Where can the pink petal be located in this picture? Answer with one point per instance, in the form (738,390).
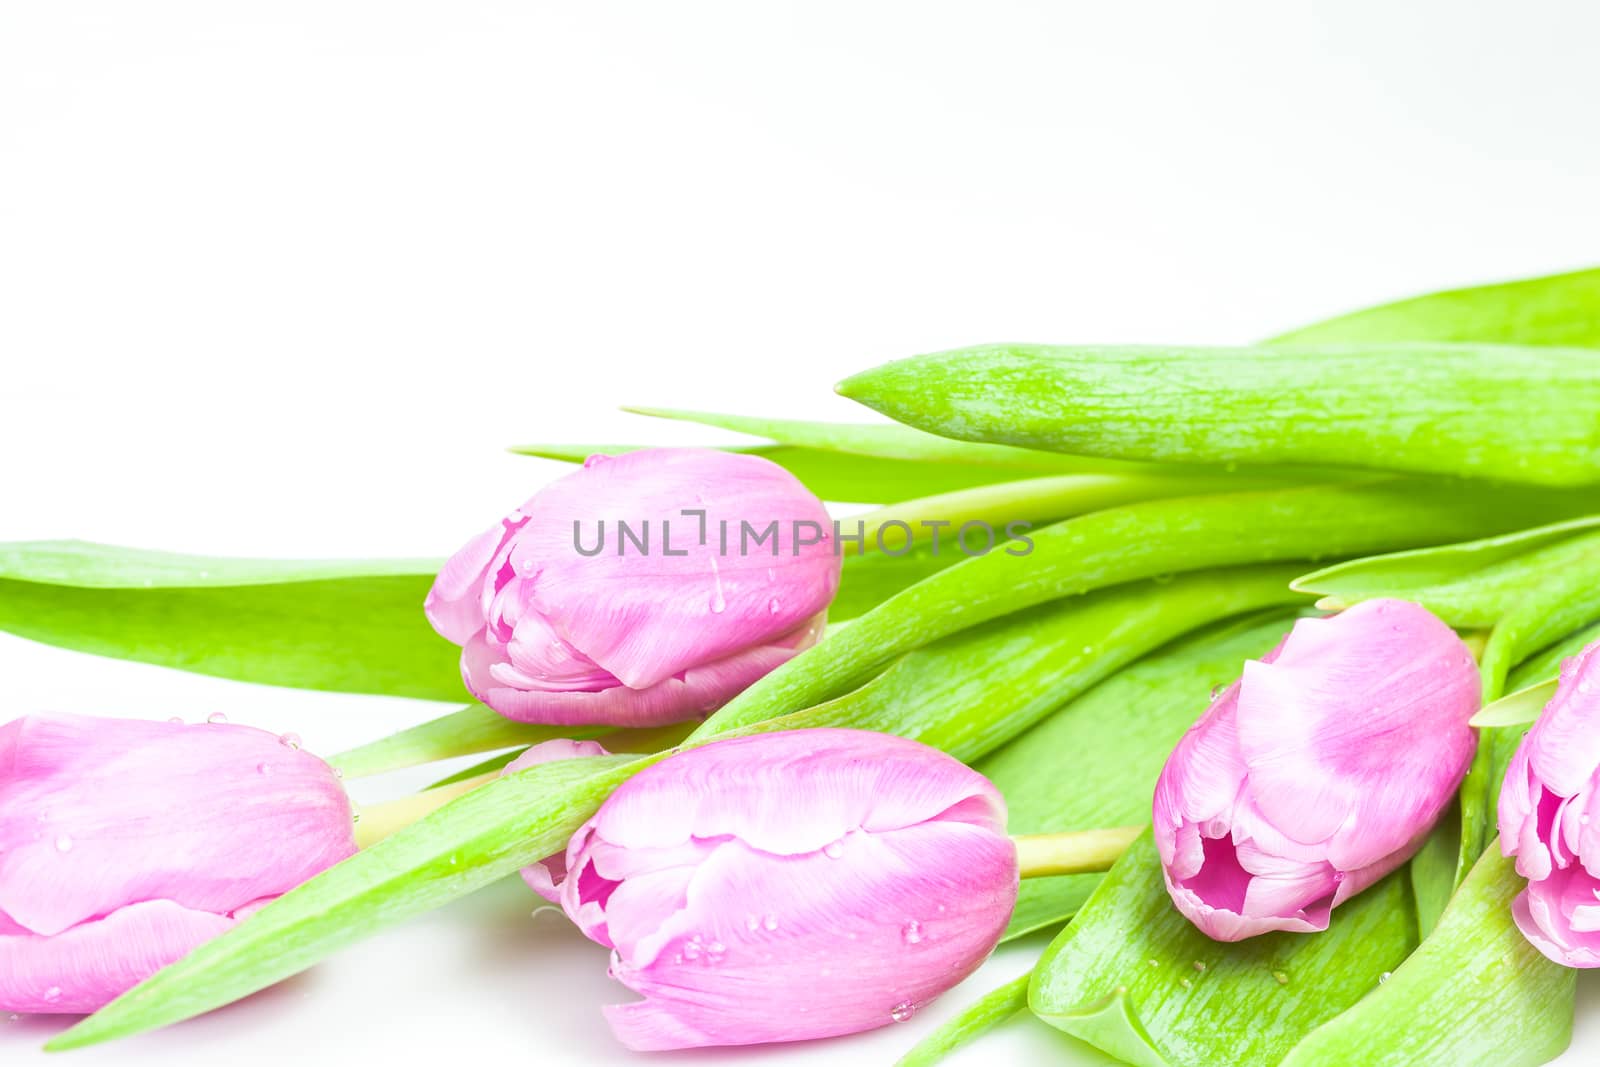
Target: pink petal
(696,692)
(793,792)
(84,967)
(454,604)
(1564,745)
(869,936)
(647,617)
(1357,735)
(1559,916)
(97,814)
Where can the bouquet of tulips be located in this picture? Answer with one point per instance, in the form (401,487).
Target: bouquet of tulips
(1219,662)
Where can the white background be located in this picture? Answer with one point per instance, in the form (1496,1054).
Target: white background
(285,278)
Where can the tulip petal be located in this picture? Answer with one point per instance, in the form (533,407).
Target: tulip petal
(647,617)
(546,876)
(1564,745)
(453,604)
(695,692)
(915,910)
(86,966)
(97,813)
(807,789)
(1358,731)
(1559,916)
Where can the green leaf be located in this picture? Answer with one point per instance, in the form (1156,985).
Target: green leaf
(475,729)
(1112,742)
(983,1015)
(1441,409)
(471,730)
(1559,602)
(1516,709)
(1133,977)
(483,836)
(1024,666)
(352,626)
(836,475)
(1557,309)
(1433,871)
(1145,540)
(1475,992)
(887,441)
(1467,585)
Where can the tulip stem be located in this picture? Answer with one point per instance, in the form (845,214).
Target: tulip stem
(377,821)
(1078,852)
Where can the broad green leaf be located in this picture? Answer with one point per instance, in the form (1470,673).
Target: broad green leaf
(1458,410)
(1475,992)
(834,475)
(1024,666)
(1146,540)
(1557,309)
(1433,871)
(1133,977)
(1546,663)
(1558,603)
(1516,709)
(345,626)
(1095,762)
(1466,585)
(983,1015)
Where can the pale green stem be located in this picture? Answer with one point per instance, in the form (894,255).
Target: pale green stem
(1078,852)
(378,821)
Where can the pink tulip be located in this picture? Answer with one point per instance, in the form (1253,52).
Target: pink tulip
(787,886)
(546,876)
(1550,818)
(125,844)
(1318,772)
(724,571)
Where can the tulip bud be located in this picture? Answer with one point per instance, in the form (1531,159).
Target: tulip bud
(794,885)
(546,876)
(126,844)
(1321,770)
(642,589)
(1550,818)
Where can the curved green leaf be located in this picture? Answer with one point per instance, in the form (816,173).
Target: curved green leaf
(353,626)
(1511,413)
(1145,540)
(988,1012)
(1134,977)
(1474,992)
(1467,585)
(1556,309)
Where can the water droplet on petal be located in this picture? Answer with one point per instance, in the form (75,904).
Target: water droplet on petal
(769,924)
(752,923)
(290,741)
(63,843)
(216,717)
(833,850)
(52,994)
(902,1011)
(774,606)
(912,932)
(176,720)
